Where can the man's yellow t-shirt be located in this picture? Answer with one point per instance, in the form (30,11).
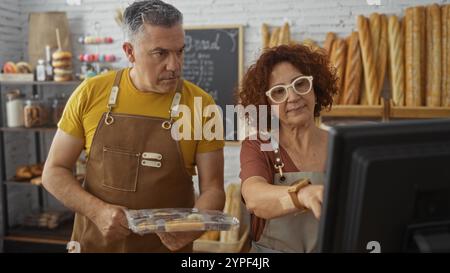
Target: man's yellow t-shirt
(89,101)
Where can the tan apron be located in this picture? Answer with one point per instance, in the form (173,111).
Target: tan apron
(295,232)
(134,162)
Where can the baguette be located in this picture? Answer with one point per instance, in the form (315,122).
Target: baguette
(434,56)
(232,207)
(422,13)
(285,35)
(381,59)
(235,212)
(446,56)
(370,73)
(340,61)
(353,72)
(226,209)
(274,37)
(413,48)
(375,32)
(265,35)
(329,42)
(397,65)
(445,39)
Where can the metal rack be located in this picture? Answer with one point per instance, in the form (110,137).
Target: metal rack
(21,238)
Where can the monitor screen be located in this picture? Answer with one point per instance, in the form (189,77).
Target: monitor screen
(387,188)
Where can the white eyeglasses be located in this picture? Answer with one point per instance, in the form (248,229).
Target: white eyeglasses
(301,86)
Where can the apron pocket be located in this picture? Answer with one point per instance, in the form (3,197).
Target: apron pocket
(120,169)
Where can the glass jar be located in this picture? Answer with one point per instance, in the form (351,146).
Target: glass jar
(14,109)
(58,105)
(36,113)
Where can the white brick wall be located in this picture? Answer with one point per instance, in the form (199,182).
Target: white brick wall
(309,18)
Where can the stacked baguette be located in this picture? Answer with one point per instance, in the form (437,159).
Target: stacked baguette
(279,36)
(353,72)
(434,56)
(397,56)
(338,59)
(414,50)
(445,16)
(369,62)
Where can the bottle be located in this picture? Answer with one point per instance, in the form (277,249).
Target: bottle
(40,71)
(48,64)
(14,109)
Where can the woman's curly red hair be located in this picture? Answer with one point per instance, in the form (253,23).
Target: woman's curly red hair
(311,63)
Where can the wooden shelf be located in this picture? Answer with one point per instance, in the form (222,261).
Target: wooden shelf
(39,83)
(60,235)
(354,111)
(23,129)
(420,112)
(387,111)
(20,183)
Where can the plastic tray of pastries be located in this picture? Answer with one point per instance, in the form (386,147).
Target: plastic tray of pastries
(178,219)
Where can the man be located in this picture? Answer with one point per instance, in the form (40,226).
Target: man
(123,120)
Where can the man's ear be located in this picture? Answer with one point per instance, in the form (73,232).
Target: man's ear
(129,51)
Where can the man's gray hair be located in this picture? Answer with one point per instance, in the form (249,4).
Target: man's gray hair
(153,12)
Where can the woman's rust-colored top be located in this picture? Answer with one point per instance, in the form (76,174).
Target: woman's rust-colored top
(255,162)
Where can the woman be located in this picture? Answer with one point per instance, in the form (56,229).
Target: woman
(283,188)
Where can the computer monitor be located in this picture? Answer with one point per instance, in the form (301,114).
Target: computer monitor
(387,188)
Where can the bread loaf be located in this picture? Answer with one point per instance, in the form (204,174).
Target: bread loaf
(414,19)
(397,65)
(23,173)
(353,72)
(434,56)
(265,35)
(370,73)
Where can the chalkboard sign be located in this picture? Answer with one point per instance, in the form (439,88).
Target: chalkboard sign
(213,60)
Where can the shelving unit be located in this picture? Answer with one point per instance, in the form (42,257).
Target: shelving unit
(386,112)
(21,238)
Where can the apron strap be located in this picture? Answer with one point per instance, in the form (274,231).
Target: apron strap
(278,162)
(113,97)
(174,107)
(173,111)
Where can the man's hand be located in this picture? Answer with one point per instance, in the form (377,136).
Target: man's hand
(112,222)
(177,240)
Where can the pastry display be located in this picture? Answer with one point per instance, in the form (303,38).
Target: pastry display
(48,220)
(29,172)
